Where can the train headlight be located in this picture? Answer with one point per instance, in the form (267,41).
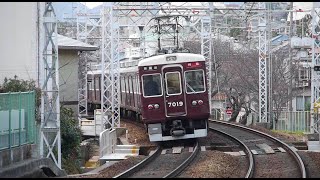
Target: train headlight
(156,106)
(150,106)
(200,102)
(194,103)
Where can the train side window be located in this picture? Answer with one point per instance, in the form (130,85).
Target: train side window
(138,84)
(173,83)
(90,85)
(97,83)
(126,84)
(152,85)
(130,84)
(195,81)
(134,84)
(122,84)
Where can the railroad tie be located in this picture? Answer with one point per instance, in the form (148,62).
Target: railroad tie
(233,153)
(151,152)
(266,148)
(164,151)
(176,150)
(281,149)
(292,147)
(254,152)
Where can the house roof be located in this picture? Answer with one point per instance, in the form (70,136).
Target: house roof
(72,44)
(279,39)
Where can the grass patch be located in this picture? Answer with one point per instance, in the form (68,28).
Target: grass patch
(296,133)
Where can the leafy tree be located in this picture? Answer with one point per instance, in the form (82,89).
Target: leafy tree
(235,32)
(274,34)
(307,106)
(70,140)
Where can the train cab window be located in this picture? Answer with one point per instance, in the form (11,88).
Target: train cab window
(173,83)
(195,81)
(152,85)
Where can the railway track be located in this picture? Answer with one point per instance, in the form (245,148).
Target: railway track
(266,155)
(246,149)
(270,154)
(162,165)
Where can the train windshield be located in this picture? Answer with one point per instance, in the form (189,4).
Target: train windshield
(173,83)
(195,81)
(152,85)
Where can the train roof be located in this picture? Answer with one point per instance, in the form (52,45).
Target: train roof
(122,70)
(129,69)
(162,59)
(94,72)
(132,66)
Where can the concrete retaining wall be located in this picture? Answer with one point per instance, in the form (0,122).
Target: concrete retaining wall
(20,153)
(32,168)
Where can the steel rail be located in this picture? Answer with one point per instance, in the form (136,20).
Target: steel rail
(140,165)
(294,154)
(182,166)
(248,152)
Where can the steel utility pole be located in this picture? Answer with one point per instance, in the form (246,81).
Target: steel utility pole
(262,64)
(315,75)
(50,138)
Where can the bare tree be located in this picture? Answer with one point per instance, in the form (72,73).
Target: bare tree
(281,81)
(238,73)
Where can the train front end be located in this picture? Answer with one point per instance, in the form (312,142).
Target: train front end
(174,96)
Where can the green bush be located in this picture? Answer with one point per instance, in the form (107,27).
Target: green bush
(70,141)
(20,85)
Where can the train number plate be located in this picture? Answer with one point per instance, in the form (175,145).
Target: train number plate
(175,104)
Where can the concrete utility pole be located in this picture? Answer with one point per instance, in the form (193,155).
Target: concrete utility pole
(290,56)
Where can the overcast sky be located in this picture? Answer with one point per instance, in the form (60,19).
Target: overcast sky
(92,4)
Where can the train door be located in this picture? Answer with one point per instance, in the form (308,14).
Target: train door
(174,92)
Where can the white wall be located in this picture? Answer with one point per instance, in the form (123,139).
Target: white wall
(68,78)
(18,40)
(19,49)
(68,75)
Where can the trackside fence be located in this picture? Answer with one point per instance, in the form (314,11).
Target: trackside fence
(17,119)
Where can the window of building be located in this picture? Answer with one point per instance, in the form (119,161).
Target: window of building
(303,103)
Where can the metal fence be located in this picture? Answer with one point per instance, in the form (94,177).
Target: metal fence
(17,119)
(216,114)
(294,121)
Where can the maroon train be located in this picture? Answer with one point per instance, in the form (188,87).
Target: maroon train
(167,92)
